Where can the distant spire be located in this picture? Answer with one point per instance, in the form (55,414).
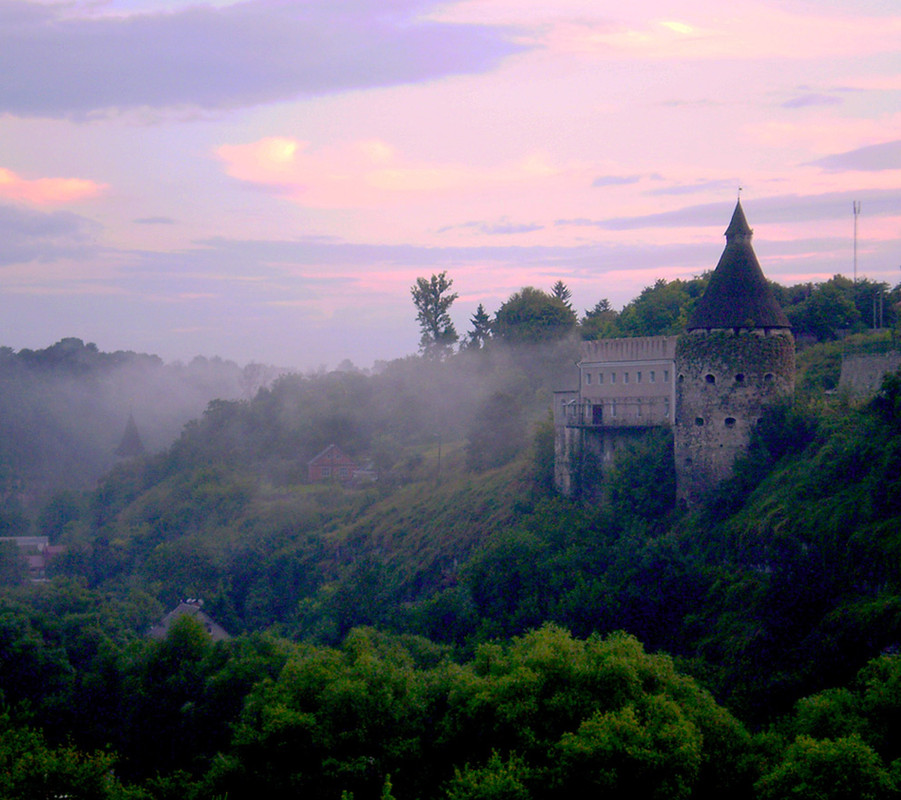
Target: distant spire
(131,445)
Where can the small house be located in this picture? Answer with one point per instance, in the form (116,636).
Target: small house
(189,608)
(332,464)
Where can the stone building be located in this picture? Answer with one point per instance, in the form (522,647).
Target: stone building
(709,386)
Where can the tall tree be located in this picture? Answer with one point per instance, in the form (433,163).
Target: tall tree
(561,291)
(481,329)
(433,299)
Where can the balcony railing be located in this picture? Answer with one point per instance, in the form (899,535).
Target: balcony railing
(621,413)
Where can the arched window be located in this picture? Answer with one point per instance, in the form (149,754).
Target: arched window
(709,378)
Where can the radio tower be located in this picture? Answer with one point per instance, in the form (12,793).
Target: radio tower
(856,207)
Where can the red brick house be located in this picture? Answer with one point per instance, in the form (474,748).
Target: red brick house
(332,464)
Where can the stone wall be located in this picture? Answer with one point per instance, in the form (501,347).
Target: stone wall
(862,373)
(724,381)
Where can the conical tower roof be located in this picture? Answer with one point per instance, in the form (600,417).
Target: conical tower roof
(131,444)
(738,295)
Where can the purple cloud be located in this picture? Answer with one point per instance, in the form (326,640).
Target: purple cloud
(780,208)
(27,235)
(692,188)
(154,221)
(874,158)
(807,100)
(500,228)
(615,180)
(259,51)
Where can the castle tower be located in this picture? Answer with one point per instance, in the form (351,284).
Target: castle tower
(736,357)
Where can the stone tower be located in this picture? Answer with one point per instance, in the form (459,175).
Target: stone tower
(736,357)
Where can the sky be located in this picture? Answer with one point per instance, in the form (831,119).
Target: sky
(265,180)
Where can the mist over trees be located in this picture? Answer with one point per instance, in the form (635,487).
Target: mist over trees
(453,629)
(64,409)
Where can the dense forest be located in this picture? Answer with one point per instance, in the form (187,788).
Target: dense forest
(455,629)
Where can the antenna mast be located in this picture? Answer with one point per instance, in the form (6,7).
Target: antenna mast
(856,207)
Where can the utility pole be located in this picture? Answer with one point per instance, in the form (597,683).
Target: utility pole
(856,207)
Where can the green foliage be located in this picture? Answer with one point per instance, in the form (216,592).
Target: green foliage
(641,482)
(12,564)
(433,299)
(30,769)
(498,779)
(887,402)
(478,337)
(561,291)
(531,316)
(826,310)
(599,322)
(344,720)
(497,433)
(844,769)
(62,510)
(661,309)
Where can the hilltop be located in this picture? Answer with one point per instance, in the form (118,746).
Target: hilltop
(769,612)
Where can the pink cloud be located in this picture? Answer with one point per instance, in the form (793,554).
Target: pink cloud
(364,173)
(700,30)
(46,191)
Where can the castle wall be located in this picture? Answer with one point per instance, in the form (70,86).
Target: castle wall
(626,387)
(628,382)
(724,382)
(862,373)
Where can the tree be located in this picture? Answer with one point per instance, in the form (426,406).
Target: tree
(844,769)
(532,316)
(599,322)
(662,309)
(481,330)
(561,291)
(827,310)
(433,299)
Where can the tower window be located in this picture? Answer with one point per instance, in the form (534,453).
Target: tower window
(699,421)
(769,377)
(709,378)
(740,378)
(653,376)
(730,422)
(612,377)
(588,378)
(600,377)
(638,377)
(625,377)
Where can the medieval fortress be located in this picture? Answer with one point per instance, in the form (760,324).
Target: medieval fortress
(709,386)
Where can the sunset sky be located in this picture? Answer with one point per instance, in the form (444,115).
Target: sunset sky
(265,180)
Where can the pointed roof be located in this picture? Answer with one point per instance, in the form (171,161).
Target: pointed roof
(738,295)
(131,444)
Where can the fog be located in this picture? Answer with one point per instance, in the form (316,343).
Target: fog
(64,409)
